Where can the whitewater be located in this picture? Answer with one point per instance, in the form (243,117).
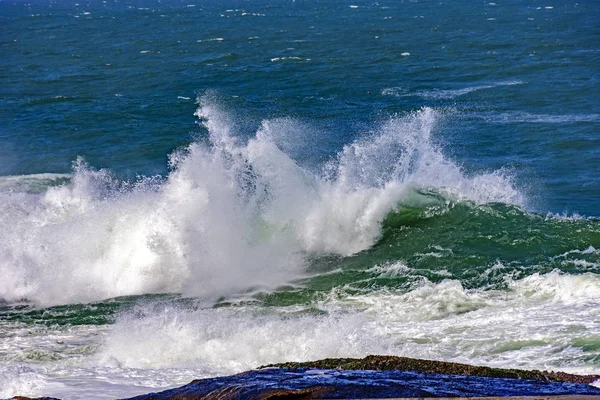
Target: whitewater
(240,221)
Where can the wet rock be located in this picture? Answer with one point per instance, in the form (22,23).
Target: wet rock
(385,363)
(379,377)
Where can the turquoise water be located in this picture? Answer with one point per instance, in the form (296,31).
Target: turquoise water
(191,189)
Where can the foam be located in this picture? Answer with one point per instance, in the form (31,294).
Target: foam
(444,94)
(275,59)
(160,345)
(221,341)
(578,259)
(218,39)
(557,287)
(448,322)
(31,183)
(443,321)
(20,380)
(390,270)
(523,117)
(453,93)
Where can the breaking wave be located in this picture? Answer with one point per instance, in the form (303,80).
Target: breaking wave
(233,214)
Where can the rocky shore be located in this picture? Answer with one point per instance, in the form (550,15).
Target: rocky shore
(386,363)
(383,377)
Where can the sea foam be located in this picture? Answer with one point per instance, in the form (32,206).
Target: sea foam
(443,321)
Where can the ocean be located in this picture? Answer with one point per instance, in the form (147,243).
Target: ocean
(192,188)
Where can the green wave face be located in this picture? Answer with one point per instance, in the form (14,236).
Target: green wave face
(96,313)
(427,238)
(482,246)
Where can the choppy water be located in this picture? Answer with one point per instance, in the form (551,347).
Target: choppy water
(195,189)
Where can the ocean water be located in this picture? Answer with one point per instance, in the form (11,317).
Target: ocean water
(191,189)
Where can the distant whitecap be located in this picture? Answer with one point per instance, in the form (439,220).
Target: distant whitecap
(219,39)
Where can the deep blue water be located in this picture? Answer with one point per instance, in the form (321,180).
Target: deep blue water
(116,81)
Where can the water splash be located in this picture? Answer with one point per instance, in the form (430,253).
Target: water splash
(232,215)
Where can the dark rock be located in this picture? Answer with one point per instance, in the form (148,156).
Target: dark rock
(379,377)
(385,363)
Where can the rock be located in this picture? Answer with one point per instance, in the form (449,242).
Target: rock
(380,377)
(385,363)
